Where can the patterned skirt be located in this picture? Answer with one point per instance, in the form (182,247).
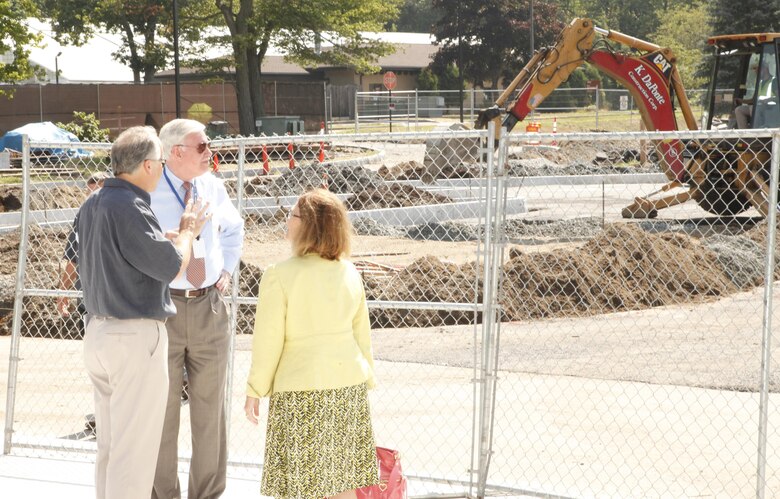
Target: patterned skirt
(319,443)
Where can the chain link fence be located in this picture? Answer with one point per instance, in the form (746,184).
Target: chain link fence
(409,110)
(529,339)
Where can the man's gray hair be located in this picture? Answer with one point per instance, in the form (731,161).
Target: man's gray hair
(132,147)
(174,132)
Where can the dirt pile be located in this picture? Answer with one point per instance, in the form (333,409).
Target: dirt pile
(427,279)
(40,317)
(370,190)
(623,268)
(42,199)
(414,170)
(393,196)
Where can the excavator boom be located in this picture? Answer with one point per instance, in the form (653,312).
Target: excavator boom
(648,72)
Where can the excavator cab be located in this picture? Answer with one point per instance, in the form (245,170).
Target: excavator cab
(743,90)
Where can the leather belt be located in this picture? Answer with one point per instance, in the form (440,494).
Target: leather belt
(190,293)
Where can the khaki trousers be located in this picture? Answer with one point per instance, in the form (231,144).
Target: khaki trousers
(199,339)
(127,361)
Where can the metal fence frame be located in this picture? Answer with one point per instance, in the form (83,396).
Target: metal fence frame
(486,366)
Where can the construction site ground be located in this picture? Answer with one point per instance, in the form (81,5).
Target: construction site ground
(680,354)
(411,357)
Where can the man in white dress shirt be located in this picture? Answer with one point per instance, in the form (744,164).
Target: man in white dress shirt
(199,333)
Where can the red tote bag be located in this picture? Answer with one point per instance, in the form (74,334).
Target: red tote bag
(392,484)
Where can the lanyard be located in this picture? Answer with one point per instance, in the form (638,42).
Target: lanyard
(173,189)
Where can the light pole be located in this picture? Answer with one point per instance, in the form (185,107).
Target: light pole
(176,57)
(532,30)
(57,68)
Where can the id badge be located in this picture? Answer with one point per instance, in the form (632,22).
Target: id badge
(198,248)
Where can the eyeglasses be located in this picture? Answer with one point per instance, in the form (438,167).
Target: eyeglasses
(291,214)
(160,159)
(201,147)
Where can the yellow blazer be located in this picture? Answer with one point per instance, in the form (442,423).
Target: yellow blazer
(311,328)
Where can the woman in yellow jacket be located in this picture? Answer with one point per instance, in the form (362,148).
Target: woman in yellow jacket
(311,354)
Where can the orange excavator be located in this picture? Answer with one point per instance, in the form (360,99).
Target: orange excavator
(725,176)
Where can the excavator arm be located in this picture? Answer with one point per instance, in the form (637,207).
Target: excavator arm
(649,74)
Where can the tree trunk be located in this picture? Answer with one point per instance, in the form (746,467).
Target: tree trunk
(238,24)
(253,63)
(246,114)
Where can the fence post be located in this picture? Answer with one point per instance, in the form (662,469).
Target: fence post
(233,318)
(766,354)
(598,91)
(472,101)
(13,356)
(494,205)
(357,114)
(416,111)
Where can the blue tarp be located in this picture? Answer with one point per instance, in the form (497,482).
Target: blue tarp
(42,132)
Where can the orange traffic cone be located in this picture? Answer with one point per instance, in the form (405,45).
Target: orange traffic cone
(290,150)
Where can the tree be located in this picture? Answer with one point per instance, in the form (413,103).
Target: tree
(637,18)
(494,36)
(137,21)
(86,127)
(745,16)
(15,41)
(680,30)
(298,28)
(427,80)
(415,16)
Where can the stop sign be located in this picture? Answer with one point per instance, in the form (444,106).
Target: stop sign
(389,80)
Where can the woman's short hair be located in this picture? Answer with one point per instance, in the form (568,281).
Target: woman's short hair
(325,228)
(132,147)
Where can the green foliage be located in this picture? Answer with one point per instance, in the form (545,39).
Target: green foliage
(427,80)
(297,28)
(16,40)
(141,23)
(744,16)
(415,16)
(494,36)
(637,18)
(680,31)
(449,79)
(86,127)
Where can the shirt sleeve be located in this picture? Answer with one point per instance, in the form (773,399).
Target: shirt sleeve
(268,339)
(145,247)
(361,328)
(231,229)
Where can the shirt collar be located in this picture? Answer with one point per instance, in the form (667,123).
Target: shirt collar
(124,184)
(176,181)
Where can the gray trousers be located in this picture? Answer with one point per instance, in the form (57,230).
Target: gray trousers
(127,363)
(198,339)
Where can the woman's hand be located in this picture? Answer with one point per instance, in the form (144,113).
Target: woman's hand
(252,409)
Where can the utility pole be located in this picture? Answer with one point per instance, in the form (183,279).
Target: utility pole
(176,82)
(532,30)
(57,69)
(460,64)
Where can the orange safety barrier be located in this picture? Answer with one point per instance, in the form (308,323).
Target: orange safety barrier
(266,167)
(533,127)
